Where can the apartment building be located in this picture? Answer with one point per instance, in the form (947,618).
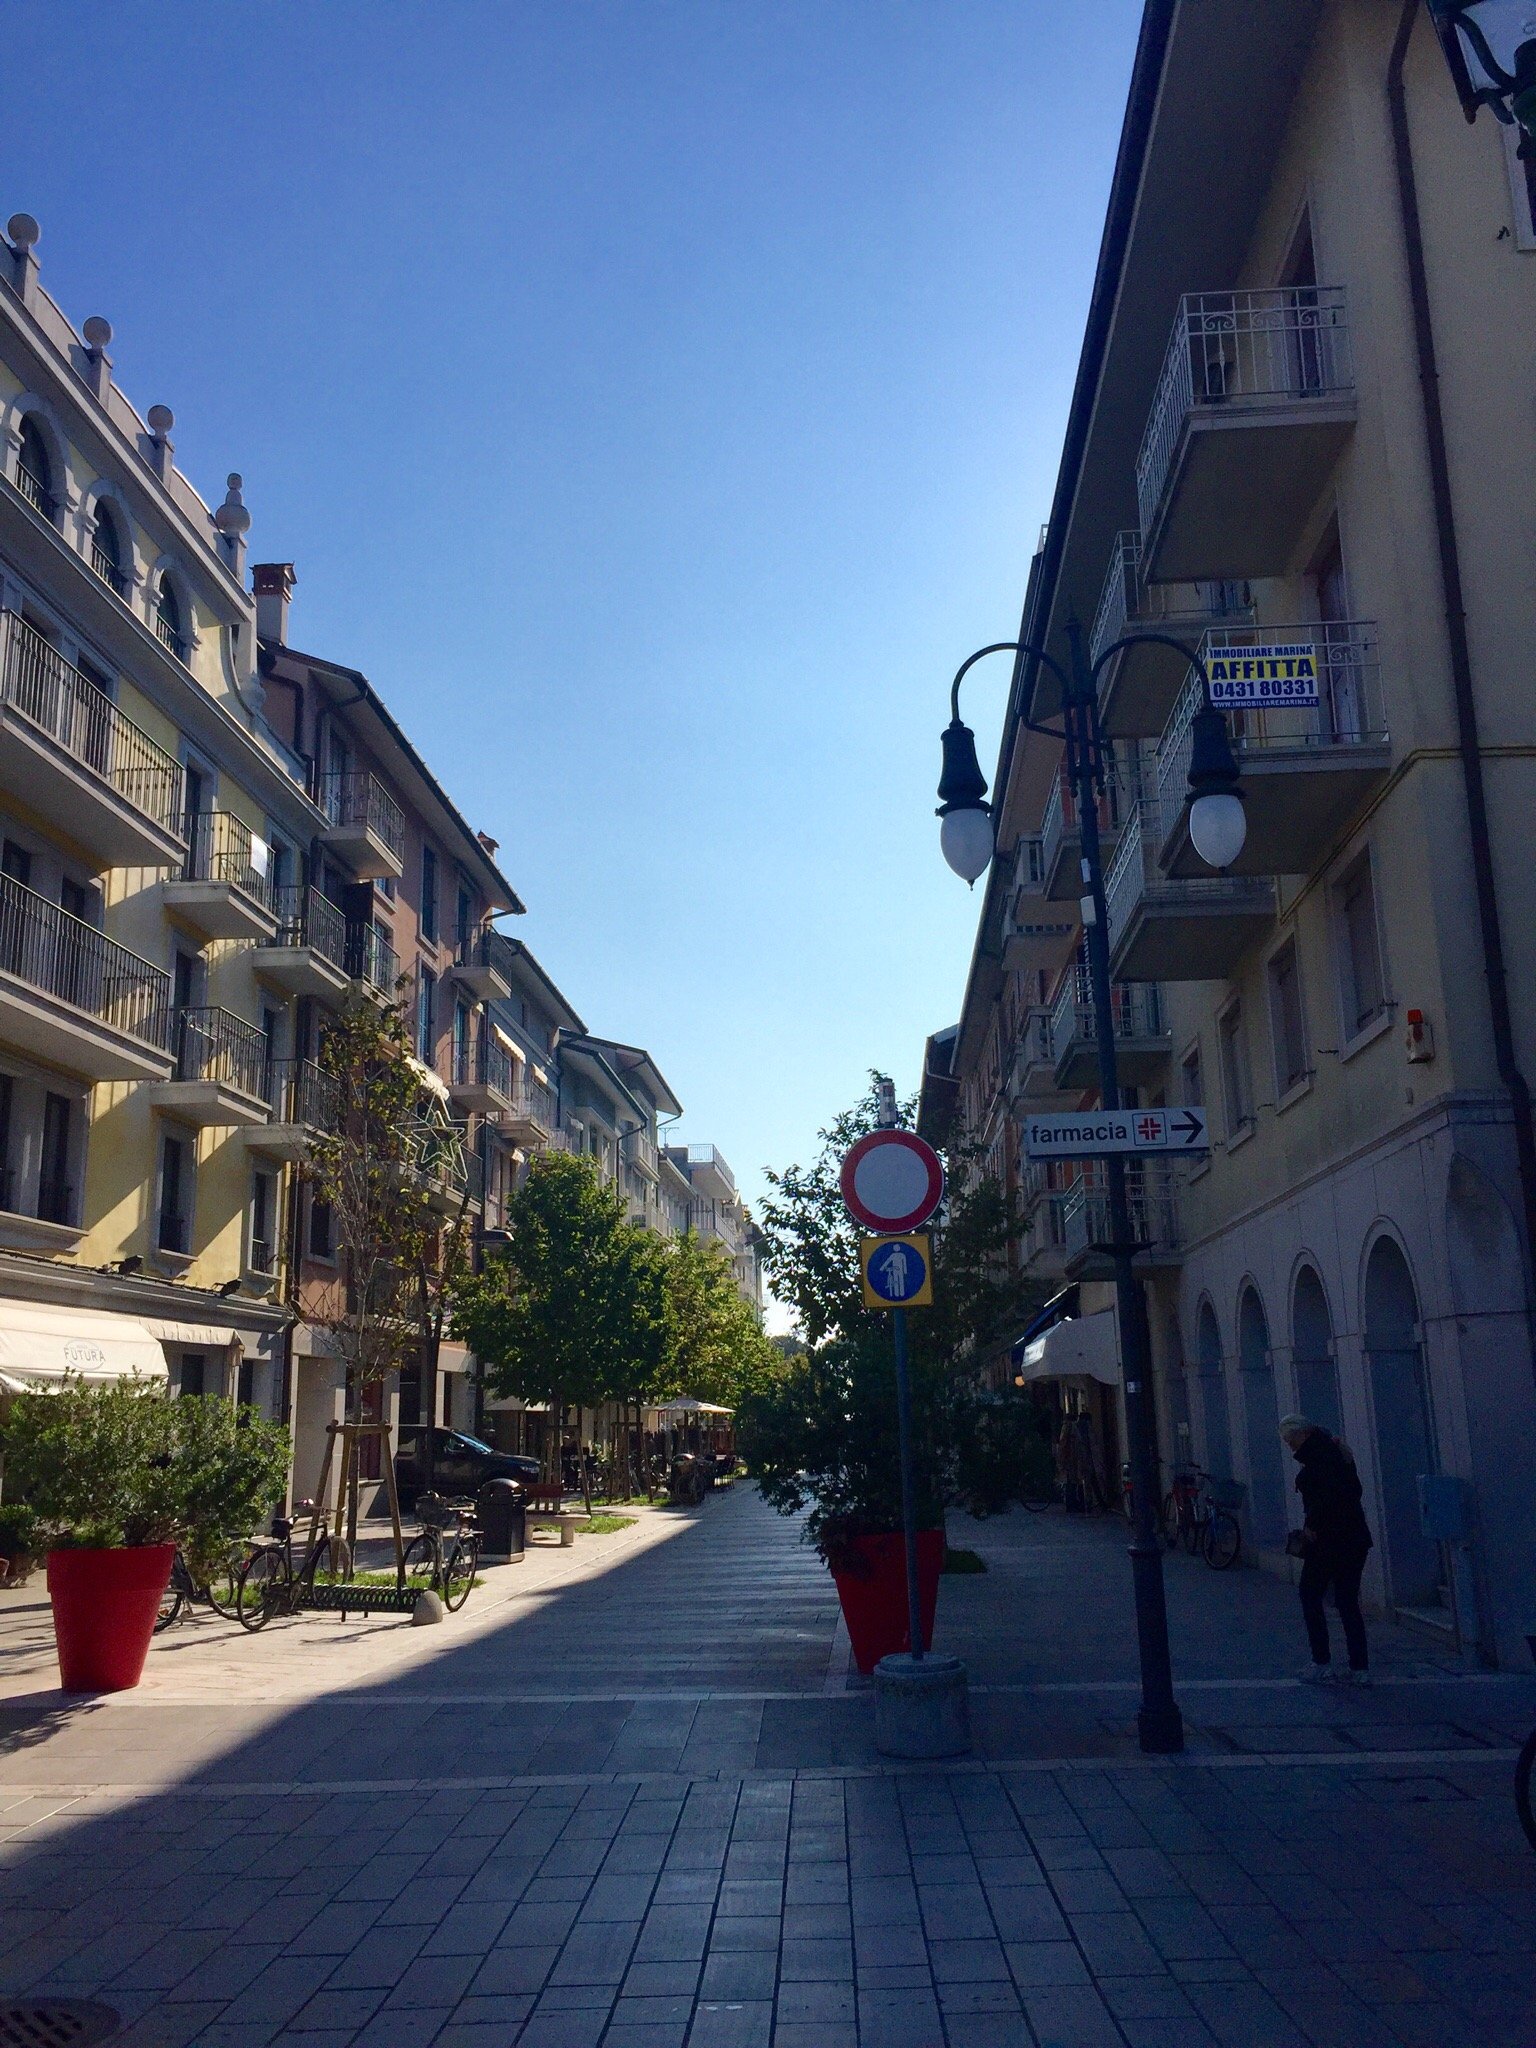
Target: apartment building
(145,806)
(716,1211)
(393,899)
(1251,466)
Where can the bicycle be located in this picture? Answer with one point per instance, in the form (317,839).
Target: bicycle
(444,1557)
(268,1583)
(183,1593)
(1524,1770)
(1206,1525)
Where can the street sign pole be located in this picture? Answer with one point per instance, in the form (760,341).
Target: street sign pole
(908,1504)
(1160,1723)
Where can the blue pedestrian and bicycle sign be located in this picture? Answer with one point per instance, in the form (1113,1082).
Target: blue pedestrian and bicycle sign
(898,1272)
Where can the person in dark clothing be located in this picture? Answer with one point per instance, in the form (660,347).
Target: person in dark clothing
(1335,1541)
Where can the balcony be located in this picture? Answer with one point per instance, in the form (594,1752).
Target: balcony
(1307,769)
(1043,1239)
(74,999)
(107,568)
(533,1119)
(221,891)
(1033,1076)
(68,752)
(1153,1197)
(481,1074)
(173,639)
(479,965)
(371,961)
(304,1100)
(1139,686)
(447,1172)
(1256,400)
(365,828)
(1032,938)
(1161,929)
(1142,1043)
(223,1071)
(1061,839)
(306,953)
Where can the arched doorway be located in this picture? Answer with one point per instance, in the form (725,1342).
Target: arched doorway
(1181,1442)
(1404,1432)
(1214,1413)
(1261,1421)
(1317,1374)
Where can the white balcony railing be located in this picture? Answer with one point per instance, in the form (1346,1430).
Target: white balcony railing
(1128,605)
(1152,1197)
(1243,350)
(1349,711)
(1135,1006)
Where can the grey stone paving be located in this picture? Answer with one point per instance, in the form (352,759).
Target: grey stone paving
(734,1869)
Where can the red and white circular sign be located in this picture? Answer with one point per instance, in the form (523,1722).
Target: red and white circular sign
(892,1181)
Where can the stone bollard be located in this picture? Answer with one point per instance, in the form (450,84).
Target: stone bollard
(920,1707)
(428,1608)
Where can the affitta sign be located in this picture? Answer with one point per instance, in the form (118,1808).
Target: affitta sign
(1248,678)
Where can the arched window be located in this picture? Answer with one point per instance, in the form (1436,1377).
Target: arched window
(168,619)
(34,471)
(107,547)
(1405,1437)
(1261,1422)
(1214,1412)
(1317,1376)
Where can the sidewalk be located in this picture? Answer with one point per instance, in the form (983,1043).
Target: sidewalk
(630,1798)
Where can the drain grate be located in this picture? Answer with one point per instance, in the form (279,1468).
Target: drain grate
(56,2023)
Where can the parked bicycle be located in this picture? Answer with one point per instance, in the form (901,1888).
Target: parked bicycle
(183,1593)
(443,1558)
(1200,1513)
(269,1582)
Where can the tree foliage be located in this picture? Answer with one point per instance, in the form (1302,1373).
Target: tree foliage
(716,1349)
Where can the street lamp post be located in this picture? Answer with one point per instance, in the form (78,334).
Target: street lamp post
(1217,828)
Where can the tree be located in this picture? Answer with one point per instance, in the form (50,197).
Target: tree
(716,1347)
(387,1146)
(574,1311)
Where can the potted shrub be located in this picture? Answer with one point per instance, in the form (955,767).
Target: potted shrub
(20,1539)
(116,1476)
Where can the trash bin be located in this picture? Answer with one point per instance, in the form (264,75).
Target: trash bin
(503,1521)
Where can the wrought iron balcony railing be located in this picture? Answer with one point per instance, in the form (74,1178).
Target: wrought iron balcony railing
(480,1060)
(170,637)
(306,918)
(1152,1195)
(213,1045)
(221,848)
(300,1092)
(371,958)
(86,725)
(1127,604)
(30,486)
(1243,349)
(1135,1007)
(357,797)
(107,569)
(44,946)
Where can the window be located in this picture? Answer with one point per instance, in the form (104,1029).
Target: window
(1192,1079)
(465,917)
(172,1232)
(75,900)
(426,990)
(55,1196)
(1287,1020)
(263,1258)
(1236,1084)
(1361,974)
(7,1179)
(192,1376)
(321,1229)
(34,472)
(168,624)
(107,548)
(429,895)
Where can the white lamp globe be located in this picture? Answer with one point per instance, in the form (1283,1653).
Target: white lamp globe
(1218,827)
(965,838)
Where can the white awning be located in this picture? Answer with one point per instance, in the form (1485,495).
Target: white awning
(204,1335)
(687,1405)
(434,1084)
(42,1342)
(1085,1347)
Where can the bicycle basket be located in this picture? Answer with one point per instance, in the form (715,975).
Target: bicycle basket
(1226,1493)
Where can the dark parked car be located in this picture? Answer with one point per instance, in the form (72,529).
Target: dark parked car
(460,1464)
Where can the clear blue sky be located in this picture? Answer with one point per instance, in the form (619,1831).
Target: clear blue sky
(658,399)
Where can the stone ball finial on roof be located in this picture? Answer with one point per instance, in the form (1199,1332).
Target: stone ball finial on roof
(97,332)
(232,517)
(23,230)
(161,420)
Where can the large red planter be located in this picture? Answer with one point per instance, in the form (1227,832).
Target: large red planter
(874,1596)
(104,1608)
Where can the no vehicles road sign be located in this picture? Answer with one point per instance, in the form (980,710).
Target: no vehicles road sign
(897,1272)
(1091,1133)
(892,1182)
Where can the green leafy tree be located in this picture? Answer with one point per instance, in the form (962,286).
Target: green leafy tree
(716,1348)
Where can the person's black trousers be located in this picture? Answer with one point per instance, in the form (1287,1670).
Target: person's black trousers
(1321,1569)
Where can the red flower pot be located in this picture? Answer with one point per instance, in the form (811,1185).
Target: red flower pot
(104,1608)
(873,1592)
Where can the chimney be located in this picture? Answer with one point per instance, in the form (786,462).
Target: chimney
(488,843)
(273,584)
(23,232)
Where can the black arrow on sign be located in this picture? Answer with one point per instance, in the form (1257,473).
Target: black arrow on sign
(1189,1127)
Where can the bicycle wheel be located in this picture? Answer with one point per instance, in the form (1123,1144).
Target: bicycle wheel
(170,1604)
(1523,1770)
(1223,1540)
(261,1587)
(459,1571)
(220,1591)
(1172,1521)
(419,1571)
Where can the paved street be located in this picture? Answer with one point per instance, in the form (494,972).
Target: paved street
(630,1798)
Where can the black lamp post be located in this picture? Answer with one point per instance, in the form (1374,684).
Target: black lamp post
(1490,46)
(1217,828)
